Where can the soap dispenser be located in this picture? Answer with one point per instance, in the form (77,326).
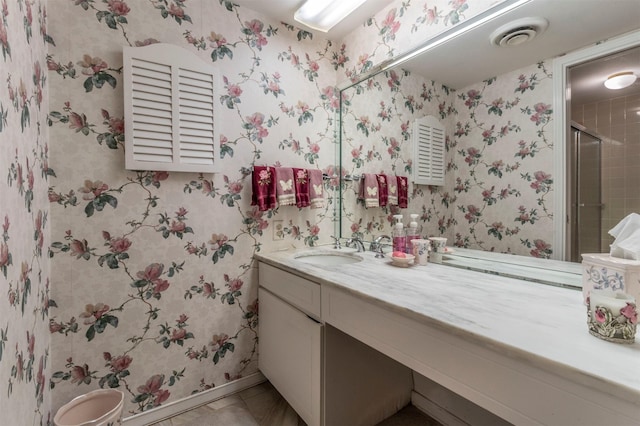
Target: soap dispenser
(412,233)
(399,235)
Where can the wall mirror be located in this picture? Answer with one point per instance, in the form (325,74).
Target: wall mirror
(504,109)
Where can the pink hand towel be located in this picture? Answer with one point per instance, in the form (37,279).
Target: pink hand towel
(264,188)
(392,189)
(383,193)
(403,192)
(301,183)
(285,189)
(316,189)
(369,190)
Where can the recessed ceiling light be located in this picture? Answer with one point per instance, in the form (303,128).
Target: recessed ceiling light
(620,80)
(322,15)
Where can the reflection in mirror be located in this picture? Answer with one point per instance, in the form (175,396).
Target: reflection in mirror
(377,116)
(579,93)
(496,192)
(527,268)
(499,184)
(604,152)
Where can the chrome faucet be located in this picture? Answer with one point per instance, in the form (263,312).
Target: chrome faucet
(376,245)
(336,245)
(358,242)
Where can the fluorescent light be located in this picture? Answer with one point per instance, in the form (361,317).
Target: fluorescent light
(459,30)
(322,15)
(620,80)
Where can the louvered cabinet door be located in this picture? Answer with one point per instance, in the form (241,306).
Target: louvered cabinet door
(170,121)
(429,151)
(195,112)
(149,123)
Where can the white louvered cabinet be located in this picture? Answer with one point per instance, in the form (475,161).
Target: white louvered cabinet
(428,151)
(170,120)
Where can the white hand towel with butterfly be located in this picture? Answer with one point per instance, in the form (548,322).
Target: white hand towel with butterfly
(392,199)
(284,186)
(370,192)
(316,195)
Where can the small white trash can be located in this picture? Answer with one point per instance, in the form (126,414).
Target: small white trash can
(101,407)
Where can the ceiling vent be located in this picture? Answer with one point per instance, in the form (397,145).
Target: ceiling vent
(518,32)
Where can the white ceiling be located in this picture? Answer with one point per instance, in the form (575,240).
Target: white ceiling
(470,58)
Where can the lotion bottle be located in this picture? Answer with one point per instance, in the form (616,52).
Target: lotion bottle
(399,235)
(412,233)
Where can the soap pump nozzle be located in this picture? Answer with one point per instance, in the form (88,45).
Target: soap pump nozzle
(413,223)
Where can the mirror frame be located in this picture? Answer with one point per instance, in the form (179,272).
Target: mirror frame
(562,128)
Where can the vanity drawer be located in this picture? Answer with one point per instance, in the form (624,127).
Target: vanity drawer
(301,293)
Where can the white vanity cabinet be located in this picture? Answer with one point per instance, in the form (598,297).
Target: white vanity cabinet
(290,340)
(328,377)
(530,363)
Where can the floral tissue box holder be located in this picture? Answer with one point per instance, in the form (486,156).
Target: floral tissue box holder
(612,316)
(600,271)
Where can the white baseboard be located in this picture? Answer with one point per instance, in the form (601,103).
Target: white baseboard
(193,401)
(435,411)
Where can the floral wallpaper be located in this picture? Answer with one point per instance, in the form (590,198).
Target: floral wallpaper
(503,164)
(497,192)
(146,279)
(155,286)
(25,361)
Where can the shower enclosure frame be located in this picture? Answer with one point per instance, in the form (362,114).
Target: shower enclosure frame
(580,207)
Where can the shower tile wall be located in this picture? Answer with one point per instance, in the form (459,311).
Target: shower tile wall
(618,121)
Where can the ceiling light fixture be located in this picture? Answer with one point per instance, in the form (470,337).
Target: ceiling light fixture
(322,15)
(457,30)
(620,80)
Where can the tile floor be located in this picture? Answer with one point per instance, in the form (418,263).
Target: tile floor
(262,405)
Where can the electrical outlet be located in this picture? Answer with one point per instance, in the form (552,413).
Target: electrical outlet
(278,232)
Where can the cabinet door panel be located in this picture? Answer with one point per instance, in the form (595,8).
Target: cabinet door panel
(290,355)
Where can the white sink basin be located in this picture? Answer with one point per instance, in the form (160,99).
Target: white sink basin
(328,258)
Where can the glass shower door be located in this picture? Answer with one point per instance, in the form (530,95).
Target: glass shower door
(587,223)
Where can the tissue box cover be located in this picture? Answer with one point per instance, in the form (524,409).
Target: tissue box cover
(603,272)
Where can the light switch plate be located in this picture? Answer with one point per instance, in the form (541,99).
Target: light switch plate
(278,233)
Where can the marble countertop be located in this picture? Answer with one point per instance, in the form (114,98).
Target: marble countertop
(540,324)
